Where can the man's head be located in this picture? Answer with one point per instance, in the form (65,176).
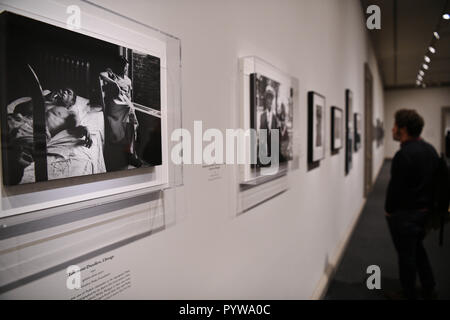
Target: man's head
(268,98)
(65,97)
(408,125)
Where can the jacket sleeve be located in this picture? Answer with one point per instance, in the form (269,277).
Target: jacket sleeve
(396,184)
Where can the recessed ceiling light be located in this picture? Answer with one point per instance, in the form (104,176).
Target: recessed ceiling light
(425,66)
(436,35)
(418,82)
(446,16)
(421,72)
(427,59)
(432,49)
(419,77)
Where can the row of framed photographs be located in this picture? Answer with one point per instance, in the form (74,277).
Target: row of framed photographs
(269,102)
(351,138)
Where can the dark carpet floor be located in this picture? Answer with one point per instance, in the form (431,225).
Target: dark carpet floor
(371,244)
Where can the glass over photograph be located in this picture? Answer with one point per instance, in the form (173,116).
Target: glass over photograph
(336,129)
(271,107)
(73,105)
(316,127)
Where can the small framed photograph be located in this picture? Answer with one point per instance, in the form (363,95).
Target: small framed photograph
(316,127)
(358,127)
(337,133)
(272,109)
(348,130)
(379,132)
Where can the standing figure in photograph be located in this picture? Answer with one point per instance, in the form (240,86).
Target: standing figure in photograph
(284,134)
(319,126)
(268,119)
(120,118)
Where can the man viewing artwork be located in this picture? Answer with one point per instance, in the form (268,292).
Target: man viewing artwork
(409,202)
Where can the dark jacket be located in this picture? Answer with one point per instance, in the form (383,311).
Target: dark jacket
(412,177)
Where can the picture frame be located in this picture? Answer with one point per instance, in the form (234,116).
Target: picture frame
(256,182)
(277,114)
(256,76)
(102,112)
(60,222)
(358,130)
(379,132)
(337,125)
(349,130)
(124,35)
(316,127)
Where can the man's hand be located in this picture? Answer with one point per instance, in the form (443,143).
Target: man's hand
(25,159)
(80,132)
(88,140)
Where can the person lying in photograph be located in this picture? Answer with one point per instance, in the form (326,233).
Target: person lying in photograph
(58,118)
(59,115)
(66,97)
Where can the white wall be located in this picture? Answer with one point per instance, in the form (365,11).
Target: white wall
(280,249)
(427,102)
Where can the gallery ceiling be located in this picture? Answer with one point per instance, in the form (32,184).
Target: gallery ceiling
(407,28)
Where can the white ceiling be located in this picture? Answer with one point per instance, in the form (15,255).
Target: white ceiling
(407,28)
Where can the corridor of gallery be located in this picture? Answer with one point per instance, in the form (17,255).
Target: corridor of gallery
(371,244)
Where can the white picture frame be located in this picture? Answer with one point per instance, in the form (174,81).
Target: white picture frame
(110,27)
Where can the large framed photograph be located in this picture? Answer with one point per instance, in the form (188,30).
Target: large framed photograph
(271,108)
(316,127)
(348,130)
(84,111)
(72,110)
(337,125)
(358,130)
(85,115)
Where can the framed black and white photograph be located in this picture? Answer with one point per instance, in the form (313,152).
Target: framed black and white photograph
(73,105)
(85,112)
(271,108)
(358,130)
(379,132)
(349,127)
(316,127)
(337,125)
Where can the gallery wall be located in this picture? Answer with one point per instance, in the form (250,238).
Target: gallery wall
(285,247)
(428,102)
